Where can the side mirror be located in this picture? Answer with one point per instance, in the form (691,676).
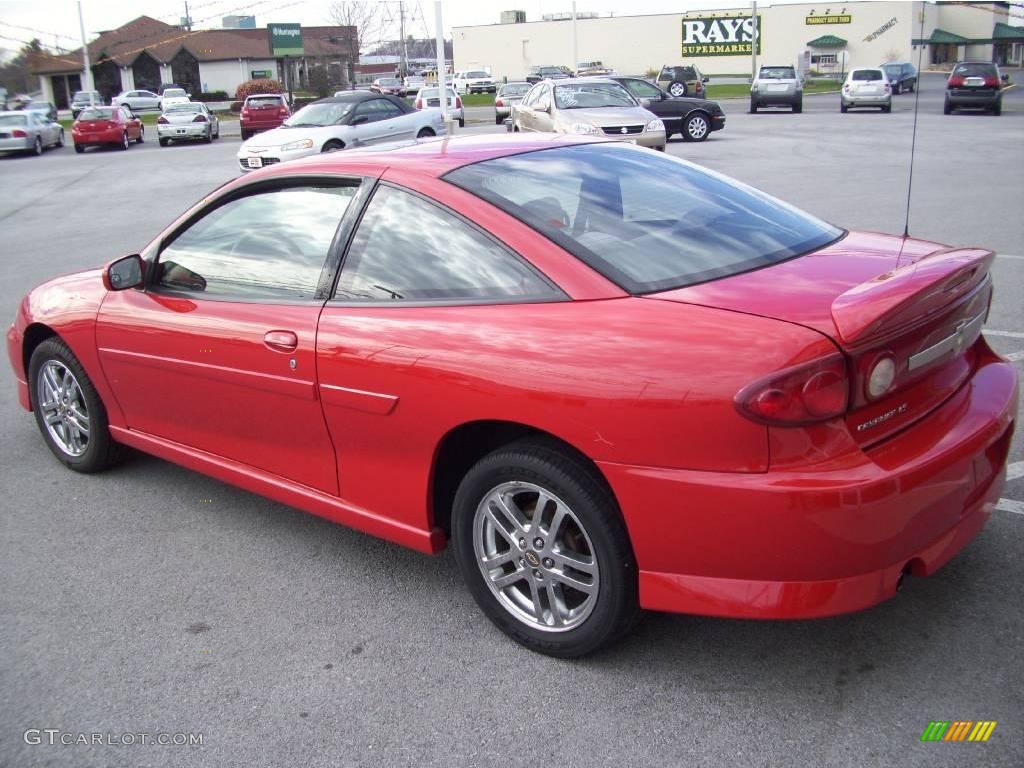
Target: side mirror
(545,107)
(1005,77)
(705,79)
(124,273)
(359,120)
(645,103)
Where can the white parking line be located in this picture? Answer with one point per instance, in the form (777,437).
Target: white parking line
(1008,334)
(1014,357)
(1009,256)
(1015,470)
(1009,505)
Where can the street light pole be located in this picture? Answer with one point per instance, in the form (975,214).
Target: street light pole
(442,87)
(87,83)
(753,45)
(575,49)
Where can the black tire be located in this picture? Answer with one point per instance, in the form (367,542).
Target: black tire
(896,90)
(498,120)
(425,133)
(60,138)
(912,85)
(616,607)
(842,107)
(245,135)
(79,149)
(997,108)
(678,88)
(462,122)
(124,141)
(37,147)
(164,142)
(142,135)
(332,146)
(696,127)
(887,108)
(101,451)
(947,108)
(753,107)
(798,107)
(209,136)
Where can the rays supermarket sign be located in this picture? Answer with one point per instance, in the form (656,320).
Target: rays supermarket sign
(720,36)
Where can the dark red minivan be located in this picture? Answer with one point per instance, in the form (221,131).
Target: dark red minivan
(263,111)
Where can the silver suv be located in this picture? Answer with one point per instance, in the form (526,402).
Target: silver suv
(775,87)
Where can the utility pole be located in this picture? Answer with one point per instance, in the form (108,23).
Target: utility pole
(87,83)
(442,84)
(575,51)
(753,46)
(403,66)
(188,19)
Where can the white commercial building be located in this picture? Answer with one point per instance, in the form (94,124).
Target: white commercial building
(826,37)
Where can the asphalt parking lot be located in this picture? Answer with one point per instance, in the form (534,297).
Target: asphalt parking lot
(151,599)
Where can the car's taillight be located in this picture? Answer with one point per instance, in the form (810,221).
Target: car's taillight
(886,86)
(805,394)
(163,120)
(499,103)
(245,111)
(282,112)
(458,102)
(991,82)
(419,103)
(18,133)
(955,81)
(199,119)
(846,88)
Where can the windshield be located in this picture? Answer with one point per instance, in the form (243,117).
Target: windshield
(389,81)
(893,69)
(431,93)
(12,119)
(84,96)
(777,73)
(592,95)
(550,71)
(515,90)
(327,113)
(175,93)
(647,221)
(866,75)
(477,73)
(96,114)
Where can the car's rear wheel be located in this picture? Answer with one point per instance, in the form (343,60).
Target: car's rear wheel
(843,107)
(887,108)
(37,147)
(209,135)
(462,122)
(142,135)
(997,108)
(124,141)
(332,146)
(498,120)
(425,133)
(68,411)
(896,90)
(79,149)
(164,142)
(798,107)
(947,108)
(60,138)
(753,106)
(544,551)
(677,88)
(696,127)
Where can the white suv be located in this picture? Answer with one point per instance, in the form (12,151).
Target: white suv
(474,81)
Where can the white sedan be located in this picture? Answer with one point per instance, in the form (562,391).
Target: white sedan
(353,119)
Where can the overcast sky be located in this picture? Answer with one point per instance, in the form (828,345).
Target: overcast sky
(57,20)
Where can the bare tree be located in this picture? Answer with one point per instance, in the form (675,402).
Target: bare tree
(365,15)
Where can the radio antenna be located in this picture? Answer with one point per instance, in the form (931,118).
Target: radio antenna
(913,135)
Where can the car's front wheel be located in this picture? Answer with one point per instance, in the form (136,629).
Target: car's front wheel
(425,133)
(544,550)
(68,411)
(696,128)
(332,146)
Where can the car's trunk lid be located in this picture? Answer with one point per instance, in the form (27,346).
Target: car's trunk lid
(923,305)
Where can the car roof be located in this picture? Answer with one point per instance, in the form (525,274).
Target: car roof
(265,96)
(349,96)
(431,158)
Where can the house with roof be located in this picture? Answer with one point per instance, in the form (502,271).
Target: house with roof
(146,52)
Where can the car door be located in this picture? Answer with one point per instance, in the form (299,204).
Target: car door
(418,285)
(543,119)
(670,110)
(217,353)
(146,100)
(368,120)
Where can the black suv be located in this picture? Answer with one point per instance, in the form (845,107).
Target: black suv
(546,72)
(902,76)
(974,84)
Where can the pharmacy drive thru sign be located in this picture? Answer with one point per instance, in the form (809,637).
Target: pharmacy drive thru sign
(720,36)
(285,39)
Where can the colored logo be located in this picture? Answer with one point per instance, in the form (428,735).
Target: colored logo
(958,730)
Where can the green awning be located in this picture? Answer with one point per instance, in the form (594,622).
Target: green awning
(942,36)
(827,41)
(1005,33)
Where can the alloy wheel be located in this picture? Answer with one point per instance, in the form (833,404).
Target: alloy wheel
(697,127)
(63,408)
(536,557)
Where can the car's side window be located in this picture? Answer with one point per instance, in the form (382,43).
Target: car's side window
(544,98)
(642,90)
(407,249)
(271,245)
(371,110)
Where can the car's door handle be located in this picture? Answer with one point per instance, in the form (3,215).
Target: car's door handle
(281,341)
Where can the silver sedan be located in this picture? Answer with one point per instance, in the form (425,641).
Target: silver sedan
(187,122)
(25,131)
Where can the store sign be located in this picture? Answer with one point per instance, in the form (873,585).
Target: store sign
(839,18)
(260,74)
(720,36)
(285,39)
(881,30)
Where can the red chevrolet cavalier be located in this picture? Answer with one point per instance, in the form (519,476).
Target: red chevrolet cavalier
(97,126)
(613,379)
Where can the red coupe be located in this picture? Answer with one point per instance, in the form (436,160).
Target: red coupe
(111,126)
(613,379)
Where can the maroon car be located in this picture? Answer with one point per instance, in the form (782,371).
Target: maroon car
(389,85)
(261,112)
(116,126)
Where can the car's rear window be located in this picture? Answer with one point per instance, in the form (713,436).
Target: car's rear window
(777,73)
(175,93)
(263,101)
(514,90)
(867,74)
(893,69)
(190,107)
(12,119)
(96,114)
(645,220)
(974,70)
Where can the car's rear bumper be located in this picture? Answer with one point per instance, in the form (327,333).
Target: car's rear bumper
(822,540)
(112,136)
(253,126)
(867,101)
(776,98)
(968,99)
(186,131)
(17,144)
